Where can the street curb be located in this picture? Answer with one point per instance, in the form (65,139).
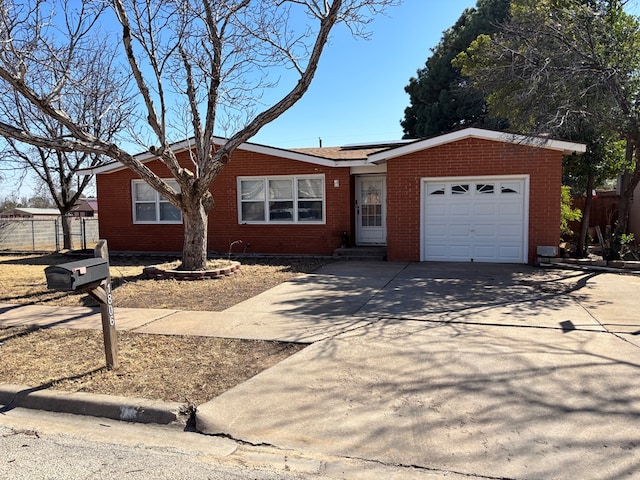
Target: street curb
(128,409)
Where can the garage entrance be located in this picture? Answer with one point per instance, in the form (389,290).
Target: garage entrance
(481,219)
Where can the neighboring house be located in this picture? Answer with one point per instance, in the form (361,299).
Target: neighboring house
(85,207)
(472,195)
(31,213)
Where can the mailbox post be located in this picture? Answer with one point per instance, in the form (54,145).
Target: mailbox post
(105,298)
(91,276)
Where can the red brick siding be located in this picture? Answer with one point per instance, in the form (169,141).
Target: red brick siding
(468,158)
(116,217)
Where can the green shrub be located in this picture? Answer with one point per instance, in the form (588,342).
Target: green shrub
(567,214)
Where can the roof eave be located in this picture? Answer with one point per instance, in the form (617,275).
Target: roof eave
(249,147)
(567,148)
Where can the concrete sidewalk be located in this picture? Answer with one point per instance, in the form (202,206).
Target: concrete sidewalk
(494,370)
(305,310)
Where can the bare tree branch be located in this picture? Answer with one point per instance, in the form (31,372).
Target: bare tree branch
(207,62)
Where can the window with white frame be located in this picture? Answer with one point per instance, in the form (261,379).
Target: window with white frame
(281,199)
(151,207)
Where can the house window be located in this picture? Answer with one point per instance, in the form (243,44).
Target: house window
(281,199)
(151,207)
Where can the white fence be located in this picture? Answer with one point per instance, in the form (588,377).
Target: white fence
(46,235)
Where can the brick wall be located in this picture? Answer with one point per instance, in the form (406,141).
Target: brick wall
(469,158)
(116,217)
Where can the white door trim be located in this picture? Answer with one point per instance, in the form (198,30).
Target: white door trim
(366,235)
(525,220)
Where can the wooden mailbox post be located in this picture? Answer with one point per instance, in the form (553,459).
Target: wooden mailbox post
(91,276)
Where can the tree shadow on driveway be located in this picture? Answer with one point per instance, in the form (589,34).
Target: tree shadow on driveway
(494,401)
(477,293)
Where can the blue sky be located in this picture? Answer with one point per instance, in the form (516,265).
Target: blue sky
(358,93)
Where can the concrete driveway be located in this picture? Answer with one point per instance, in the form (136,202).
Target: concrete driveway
(499,371)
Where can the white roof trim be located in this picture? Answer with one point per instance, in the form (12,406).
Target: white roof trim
(249,147)
(559,145)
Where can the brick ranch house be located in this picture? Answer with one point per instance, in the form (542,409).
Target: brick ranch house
(472,195)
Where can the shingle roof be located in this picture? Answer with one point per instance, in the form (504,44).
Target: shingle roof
(340,153)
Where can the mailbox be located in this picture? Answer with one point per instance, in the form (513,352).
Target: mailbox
(77,275)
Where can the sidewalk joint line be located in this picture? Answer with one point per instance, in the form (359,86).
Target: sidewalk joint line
(378,290)
(173,312)
(488,324)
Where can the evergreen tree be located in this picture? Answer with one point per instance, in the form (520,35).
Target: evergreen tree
(570,67)
(441,98)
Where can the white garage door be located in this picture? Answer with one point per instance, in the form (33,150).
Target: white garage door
(475,220)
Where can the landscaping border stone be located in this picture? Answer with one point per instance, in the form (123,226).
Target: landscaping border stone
(157,273)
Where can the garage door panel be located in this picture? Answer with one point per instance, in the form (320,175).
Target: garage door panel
(514,208)
(484,253)
(457,210)
(482,225)
(514,253)
(437,252)
(438,230)
(459,231)
(484,209)
(486,231)
(513,232)
(437,210)
(460,251)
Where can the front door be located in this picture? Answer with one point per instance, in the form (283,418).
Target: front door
(370,203)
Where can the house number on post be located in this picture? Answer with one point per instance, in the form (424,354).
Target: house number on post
(112,319)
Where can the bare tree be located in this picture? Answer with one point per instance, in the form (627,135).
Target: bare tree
(207,62)
(78,73)
(65,58)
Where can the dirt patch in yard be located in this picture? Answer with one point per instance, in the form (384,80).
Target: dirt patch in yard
(183,369)
(173,368)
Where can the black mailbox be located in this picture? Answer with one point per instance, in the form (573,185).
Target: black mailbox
(77,275)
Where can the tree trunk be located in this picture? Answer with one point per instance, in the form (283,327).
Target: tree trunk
(194,250)
(586,214)
(67,238)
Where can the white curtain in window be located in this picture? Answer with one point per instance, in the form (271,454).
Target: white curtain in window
(310,188)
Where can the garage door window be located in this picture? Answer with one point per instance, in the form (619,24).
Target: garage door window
(460,189)
(435,190)
(510,188)
(485,188)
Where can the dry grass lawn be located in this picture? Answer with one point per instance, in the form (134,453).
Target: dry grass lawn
(22,281)
(174,368)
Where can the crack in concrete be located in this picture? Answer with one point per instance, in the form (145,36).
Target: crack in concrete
(324,462)
(427,469)
(606,330)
